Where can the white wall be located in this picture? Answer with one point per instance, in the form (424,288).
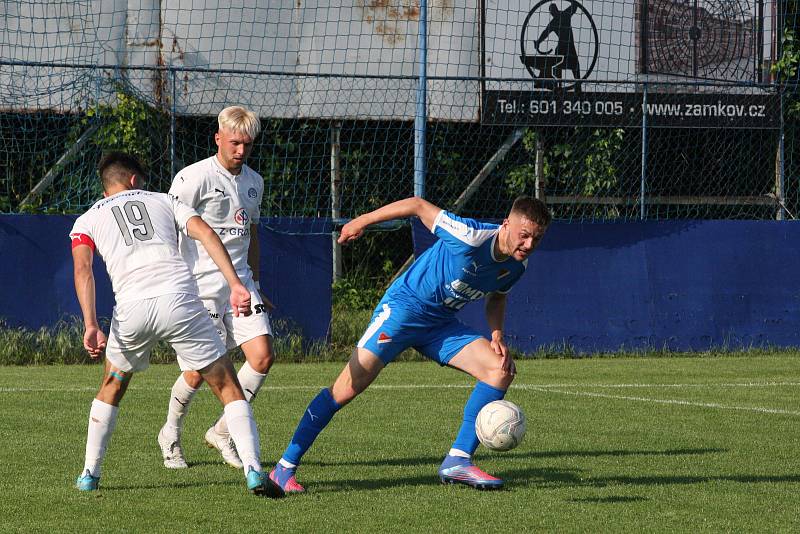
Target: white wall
(345,38)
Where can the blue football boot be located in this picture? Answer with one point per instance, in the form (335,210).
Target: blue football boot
(258,483)
(86,482)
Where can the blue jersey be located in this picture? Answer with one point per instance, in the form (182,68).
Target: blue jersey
(460,267)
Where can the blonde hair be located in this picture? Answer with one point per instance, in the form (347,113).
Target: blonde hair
(239,120)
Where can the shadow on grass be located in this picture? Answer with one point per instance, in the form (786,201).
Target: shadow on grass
(166,485)
(435,460)
(514,478)
(213,463)
(666,480)
(549,478)
(525,477)
(609,500)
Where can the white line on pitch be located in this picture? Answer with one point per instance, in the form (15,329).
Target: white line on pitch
(542,387)
(662,401)
(133,387)
(645,385)
(39,390)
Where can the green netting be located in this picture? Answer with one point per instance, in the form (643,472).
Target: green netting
(335,87)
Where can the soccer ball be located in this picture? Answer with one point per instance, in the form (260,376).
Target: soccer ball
(500,425)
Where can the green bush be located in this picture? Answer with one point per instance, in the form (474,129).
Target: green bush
(63,344)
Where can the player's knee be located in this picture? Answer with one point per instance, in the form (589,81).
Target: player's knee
(499,377)
(343,395)
(262,358)
(193,379)
(115,379)
(113,387)
(261,362)
(508,378)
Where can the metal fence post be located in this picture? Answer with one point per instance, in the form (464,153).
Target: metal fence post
(780,171)
(336,196)
(173,111)
(642,186)
(420,119)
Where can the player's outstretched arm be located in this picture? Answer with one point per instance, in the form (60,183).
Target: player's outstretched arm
(198,229)
(408,207)
(94,340)
(495,317)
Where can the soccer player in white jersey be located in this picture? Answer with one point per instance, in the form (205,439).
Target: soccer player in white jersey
(227,195)
(469,261)
(136,234)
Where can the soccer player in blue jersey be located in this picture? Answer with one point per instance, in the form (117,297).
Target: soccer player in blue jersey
(469,261)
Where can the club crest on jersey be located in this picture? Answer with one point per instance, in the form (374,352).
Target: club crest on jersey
(241,217)
(384,338)
(251,193)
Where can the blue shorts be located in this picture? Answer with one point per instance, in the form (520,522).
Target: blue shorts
(395,326)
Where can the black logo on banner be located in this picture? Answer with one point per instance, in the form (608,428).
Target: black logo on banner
(549,49)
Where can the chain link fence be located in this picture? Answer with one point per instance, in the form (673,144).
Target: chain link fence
(611,110)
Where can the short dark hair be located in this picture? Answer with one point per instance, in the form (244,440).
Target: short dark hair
(532,209)
(117,167)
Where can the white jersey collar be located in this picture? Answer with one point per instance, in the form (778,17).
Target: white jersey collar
(494,240)
(225,172)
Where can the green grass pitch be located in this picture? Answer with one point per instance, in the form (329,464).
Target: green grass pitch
(613,445)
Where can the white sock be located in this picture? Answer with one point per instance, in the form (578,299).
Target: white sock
(459,453)
(244,433)
(102,420)
(287,465)
(180,398)
(251,381)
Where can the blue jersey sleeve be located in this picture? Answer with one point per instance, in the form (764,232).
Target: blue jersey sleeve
(460,234)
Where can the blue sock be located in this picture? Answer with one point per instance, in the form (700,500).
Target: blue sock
(316,417)
(483,394)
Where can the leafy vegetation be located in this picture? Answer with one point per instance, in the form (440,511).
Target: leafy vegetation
(125,125)
(62,344)
(585,165)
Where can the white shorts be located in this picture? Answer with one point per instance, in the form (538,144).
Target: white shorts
(233,331)
(178,318)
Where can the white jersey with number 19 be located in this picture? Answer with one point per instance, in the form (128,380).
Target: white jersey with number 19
(136,234)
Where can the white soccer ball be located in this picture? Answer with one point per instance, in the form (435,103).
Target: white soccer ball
(500,425)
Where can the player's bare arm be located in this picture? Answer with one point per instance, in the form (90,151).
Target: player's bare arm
(198,229)
(408,207)
(94,340)
(253,260)
(495,317)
